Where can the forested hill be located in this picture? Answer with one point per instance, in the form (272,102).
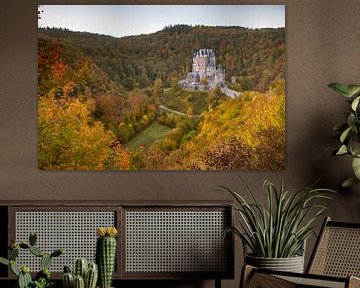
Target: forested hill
(255,56)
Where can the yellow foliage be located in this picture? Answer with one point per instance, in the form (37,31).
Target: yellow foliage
(70,140)
(250,124)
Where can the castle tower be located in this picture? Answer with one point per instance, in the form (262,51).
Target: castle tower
(204,62)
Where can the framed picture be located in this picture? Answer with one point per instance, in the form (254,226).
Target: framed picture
(161,87)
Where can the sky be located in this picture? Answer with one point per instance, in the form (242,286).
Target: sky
(125,20)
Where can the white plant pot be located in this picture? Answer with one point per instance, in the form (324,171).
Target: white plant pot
(291,264)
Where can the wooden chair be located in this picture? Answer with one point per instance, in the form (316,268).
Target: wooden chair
(334,263)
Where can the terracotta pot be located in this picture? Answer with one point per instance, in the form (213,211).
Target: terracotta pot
(291,264)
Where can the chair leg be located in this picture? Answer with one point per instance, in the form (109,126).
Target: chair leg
(246,274)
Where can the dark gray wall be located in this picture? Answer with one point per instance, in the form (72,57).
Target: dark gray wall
(323,46)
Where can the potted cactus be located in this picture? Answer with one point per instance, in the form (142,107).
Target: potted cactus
(85,275)
(106,254)
(42,278)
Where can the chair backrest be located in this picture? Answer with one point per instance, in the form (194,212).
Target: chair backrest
(337,251)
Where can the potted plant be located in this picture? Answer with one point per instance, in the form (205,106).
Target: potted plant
(349,132)
(276,233)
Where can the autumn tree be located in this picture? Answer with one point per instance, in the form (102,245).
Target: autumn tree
(69,140)
(157,91)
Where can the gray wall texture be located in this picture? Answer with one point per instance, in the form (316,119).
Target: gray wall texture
(323,40)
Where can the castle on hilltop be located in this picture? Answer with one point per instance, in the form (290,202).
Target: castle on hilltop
(204,75)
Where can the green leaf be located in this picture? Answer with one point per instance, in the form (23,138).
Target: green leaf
(4,261)
(342,150)
(351,120)
(340,88)
(356,167)
(353,89)
(345,134)
(349,182)
(355,103)
(354,145)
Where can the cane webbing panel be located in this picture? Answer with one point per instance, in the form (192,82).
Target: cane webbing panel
(338,252)
(175,241)
(74,231)
(313,282)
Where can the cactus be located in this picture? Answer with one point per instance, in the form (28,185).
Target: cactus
(13,253)
(80,267)
(14,268)
(24,278)
(45,261)
(36,251)
(24,245)
(91,276)
(67,269)
(79,282)
(32,238)
(88,273)
(105,255)
(68,280)
(57,253)
(43,274)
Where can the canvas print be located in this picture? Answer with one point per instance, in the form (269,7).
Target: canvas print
(161,87)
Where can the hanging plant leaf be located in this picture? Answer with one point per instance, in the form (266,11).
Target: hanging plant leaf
(349,182)
(342,150)
(340,88)
(355,103)
(353,89)
(356,167)
(354,145)
(351,120)
(345,134)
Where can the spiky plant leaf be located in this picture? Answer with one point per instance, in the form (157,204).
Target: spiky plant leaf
(280,228)
(341,89)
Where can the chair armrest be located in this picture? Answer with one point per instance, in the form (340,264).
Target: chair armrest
(354,282)
(254,277)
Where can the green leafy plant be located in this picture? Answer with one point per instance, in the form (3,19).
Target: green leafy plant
(279,229)
(42,278)
(349,132)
